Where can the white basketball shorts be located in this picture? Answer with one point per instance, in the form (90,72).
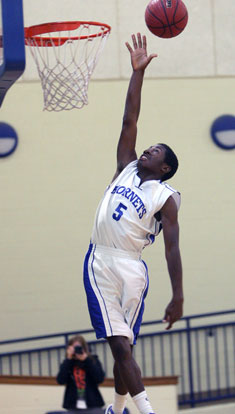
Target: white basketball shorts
(116,284)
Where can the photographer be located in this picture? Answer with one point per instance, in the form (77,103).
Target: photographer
(81,372)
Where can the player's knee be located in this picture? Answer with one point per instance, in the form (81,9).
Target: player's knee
(121,348)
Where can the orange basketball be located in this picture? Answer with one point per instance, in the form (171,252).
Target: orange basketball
(166,18)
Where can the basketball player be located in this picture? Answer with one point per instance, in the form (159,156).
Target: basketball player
(134,209)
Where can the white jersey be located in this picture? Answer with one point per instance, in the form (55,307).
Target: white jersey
(125,216)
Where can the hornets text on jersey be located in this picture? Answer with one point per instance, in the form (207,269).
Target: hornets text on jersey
(126,216)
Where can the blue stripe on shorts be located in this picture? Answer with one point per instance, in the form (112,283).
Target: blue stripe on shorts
(92,301)
(138,321)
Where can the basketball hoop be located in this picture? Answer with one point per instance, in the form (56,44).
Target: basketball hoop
(66,60)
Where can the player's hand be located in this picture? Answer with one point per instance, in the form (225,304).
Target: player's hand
(173,312)
(139,57)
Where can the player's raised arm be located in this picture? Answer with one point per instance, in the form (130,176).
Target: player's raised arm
(139,60)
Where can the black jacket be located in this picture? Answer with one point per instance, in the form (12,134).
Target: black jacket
(94,376)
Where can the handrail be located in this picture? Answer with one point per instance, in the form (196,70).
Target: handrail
(194,316)
(147,335)
(48,336)
(88,331)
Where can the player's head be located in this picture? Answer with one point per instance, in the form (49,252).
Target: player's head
(160,161)
(171,160)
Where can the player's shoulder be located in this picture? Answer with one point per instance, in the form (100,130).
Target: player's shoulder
(172,192)
(166,185)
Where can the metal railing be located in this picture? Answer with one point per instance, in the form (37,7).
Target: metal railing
(201,351)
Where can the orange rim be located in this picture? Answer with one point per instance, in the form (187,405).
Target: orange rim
(32,33)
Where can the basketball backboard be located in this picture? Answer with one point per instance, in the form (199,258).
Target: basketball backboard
(12,48)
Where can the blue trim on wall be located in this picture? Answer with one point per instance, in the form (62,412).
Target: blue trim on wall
(220,126)
(6,132)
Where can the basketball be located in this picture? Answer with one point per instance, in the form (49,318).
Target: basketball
(166,18)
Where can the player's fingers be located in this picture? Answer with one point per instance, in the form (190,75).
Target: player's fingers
(129,47)
(169,326)
(134,41)
(139,40)
(151,57)
(166,318)
(144,42)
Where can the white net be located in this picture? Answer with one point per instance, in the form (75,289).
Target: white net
(65,67)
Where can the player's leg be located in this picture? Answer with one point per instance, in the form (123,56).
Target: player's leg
(128,373)
(126,366)
(120,386)
(120,394)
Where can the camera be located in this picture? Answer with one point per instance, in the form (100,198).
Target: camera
(78,350)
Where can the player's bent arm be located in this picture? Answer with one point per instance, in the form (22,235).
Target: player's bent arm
(171,239)
(170,226)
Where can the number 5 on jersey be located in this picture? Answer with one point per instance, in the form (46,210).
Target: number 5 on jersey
(119,211)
